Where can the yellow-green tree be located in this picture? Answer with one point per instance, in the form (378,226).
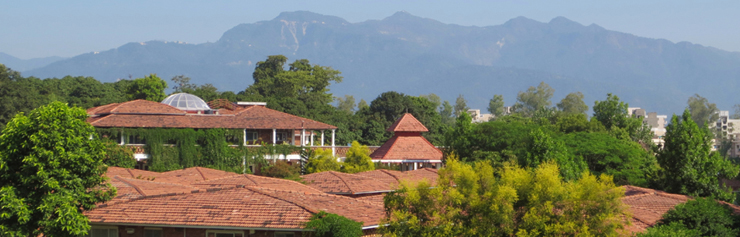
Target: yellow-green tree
(322,160)
(476,200)
(358,159)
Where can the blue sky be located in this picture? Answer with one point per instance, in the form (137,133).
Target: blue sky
(32,29)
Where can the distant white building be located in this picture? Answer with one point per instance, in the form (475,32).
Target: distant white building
(731,129)
(656,122)
(478,117)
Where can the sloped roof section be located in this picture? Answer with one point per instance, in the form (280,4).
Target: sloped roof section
(407,123)
(135,107)
(248,180)
(247,207)
(407,148)
(148,114)
(343,183)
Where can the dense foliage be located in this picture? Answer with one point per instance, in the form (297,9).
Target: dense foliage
(571,140)
(326,224)
(689,166)
(358,159)
(700,217)
(50,171)
(479,200)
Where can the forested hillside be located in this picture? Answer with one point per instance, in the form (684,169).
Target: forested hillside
(417,56)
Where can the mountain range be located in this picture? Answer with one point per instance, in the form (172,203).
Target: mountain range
(415,55)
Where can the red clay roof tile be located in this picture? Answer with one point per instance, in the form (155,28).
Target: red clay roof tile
(407,123)
(407,148)
(343,183)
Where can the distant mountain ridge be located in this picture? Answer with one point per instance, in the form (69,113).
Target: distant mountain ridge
(26,64)
(417,55)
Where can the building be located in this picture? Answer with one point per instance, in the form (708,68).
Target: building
(478,117)
(257,123)
(407,147)
(656,122)
(211,203)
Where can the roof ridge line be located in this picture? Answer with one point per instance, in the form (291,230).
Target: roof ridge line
(392,175)
(343,181)
(250,179)
(257,190)
(131,173)
(116,202)
(197,168)
(132,185)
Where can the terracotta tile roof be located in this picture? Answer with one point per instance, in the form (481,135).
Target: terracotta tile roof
(407,123)
(386,176)
(136,107)
(192,175)
(343,183)
(147,114)
(425,174)
(647,206)
(248,180)
(407,148)
(247,207)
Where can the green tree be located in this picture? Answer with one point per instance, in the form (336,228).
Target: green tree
(702,111)
(461,105)
(358,159)
(446,112)
(346,104)
(674,229)
(362,104)
(321,161)
(476,200)
(496,106)
(182,84)
(50,172)
(689,165)
(118,156)
(389,107)
(283,170)
(544,148)
(148,88)
(613,114)
(533,99)
(573,104)
(332,225)
(704,215)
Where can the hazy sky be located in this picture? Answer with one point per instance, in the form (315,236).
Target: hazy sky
(31,29)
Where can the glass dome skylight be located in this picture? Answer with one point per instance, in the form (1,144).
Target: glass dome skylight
(185,101)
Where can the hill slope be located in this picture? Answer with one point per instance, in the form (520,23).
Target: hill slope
(416,55)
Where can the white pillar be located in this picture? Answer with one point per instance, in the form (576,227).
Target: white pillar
(244,138)
(122,139)
(311,138)
(414,165)
(303,137)
(274,136)
(333,146)
(322,137)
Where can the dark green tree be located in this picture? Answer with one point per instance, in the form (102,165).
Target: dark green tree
(573,104)
(702,111)
(613,114)
(461,106)
(389,107)
(50,171)
(689,165)
(496,106)
(527,102)
(148,88)
(332,225)
(446,112)
(704,215)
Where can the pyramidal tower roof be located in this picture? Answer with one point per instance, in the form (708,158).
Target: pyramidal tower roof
(407,123)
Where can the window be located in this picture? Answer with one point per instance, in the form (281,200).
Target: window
(284,234)
(133,139)
(252,136)
(224,233)
(152,233)
(281,136)
(103,232)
